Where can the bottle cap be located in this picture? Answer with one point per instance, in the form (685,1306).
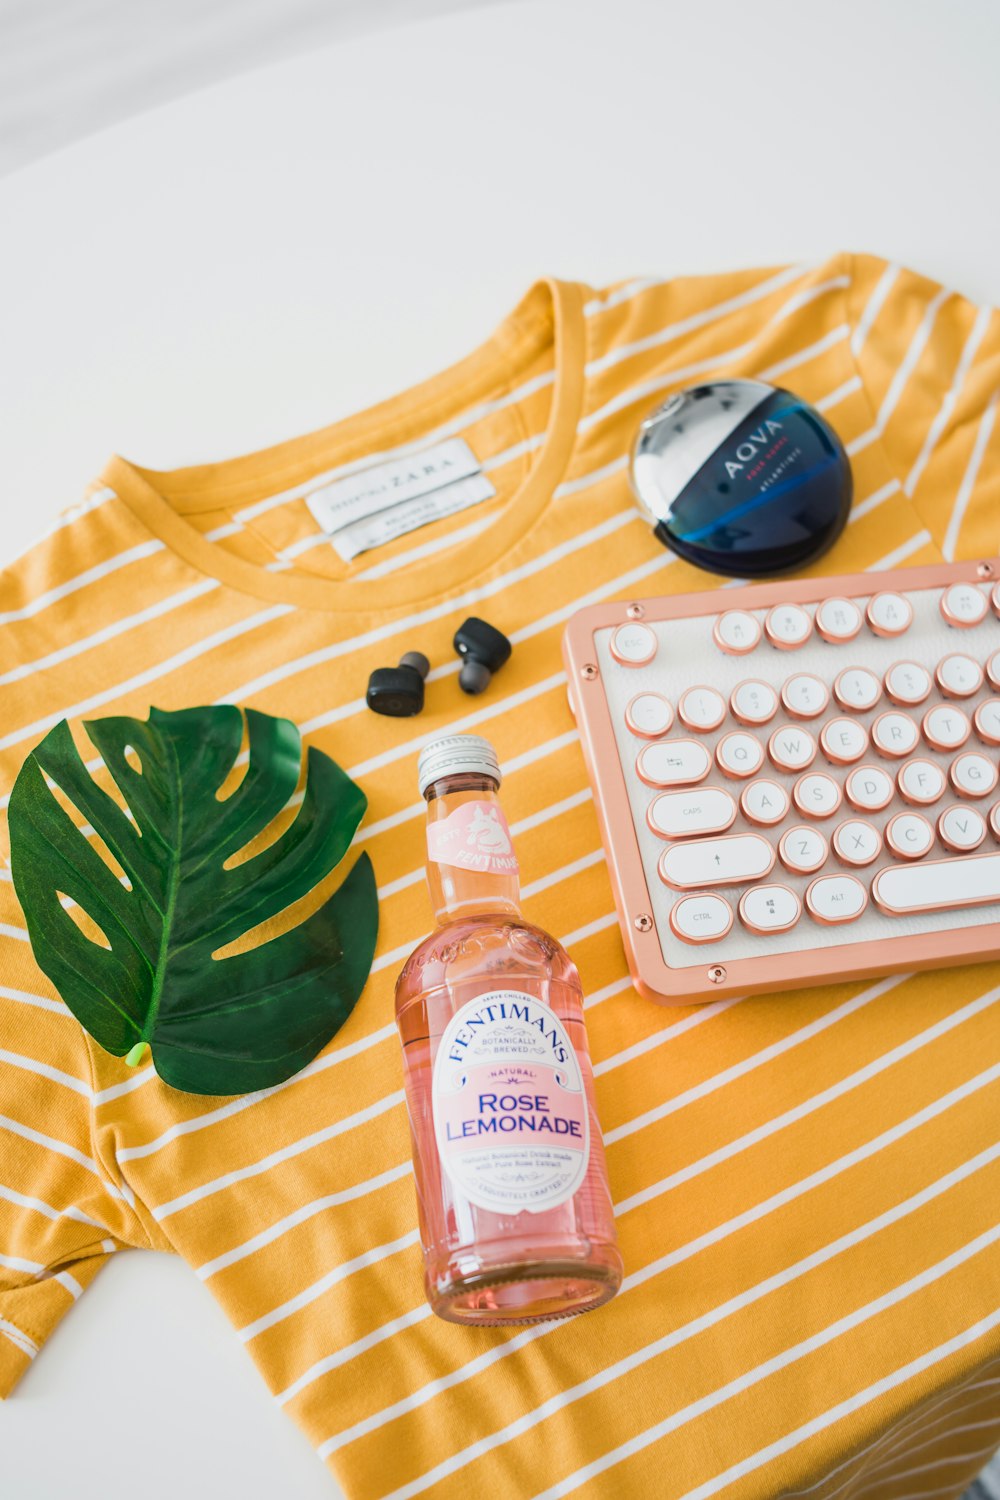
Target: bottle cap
(455,755)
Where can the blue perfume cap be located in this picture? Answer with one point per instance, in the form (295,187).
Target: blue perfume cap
(742,478)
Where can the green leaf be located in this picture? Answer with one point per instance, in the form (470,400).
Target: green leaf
(213,1025)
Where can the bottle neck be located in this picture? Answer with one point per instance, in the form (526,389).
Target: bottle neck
(471,864)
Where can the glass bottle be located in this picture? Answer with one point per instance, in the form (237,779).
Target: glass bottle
(515,1213)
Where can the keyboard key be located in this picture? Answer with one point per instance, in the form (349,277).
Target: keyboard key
(921,782)
(739,755)
(816,795)
(869,788)
(964,605)
(858,688)
(838,620)
(961,828)
(993,669)
(764,802)
(909,835)
(633,644)
(987,721)
(803,850)
(679,815)
(889,614)
(907,683)
(701,708)
(857,842)
(769,908)
(835,898)
(731,860)
(804,696)
(788,626)
(791,748)
(843,741)
(945,727)
(938,885)
(995,600)
(673,763)
(649,715)
(958,676)
(995,821)
(736,632)
(701,919)
(972,775)
(894,735)
(754,702)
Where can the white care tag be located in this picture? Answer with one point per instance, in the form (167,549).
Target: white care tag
(376,530)
(375,489)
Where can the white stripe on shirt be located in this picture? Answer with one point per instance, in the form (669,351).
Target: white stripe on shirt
(950,400)
(673,331)
(719,1232)
(785,1360)
(108,632)
(903,372)
(873,307)
(171,664)
(983,434)
(609,1373)
(99,570)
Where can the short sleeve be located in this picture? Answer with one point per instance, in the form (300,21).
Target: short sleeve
(60,1215)
(929,360)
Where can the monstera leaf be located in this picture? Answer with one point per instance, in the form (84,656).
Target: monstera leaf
(214,1025)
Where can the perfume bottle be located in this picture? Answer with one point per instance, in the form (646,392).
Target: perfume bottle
(515,1213)
(741,477)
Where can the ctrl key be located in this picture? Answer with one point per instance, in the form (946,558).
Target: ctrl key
(701,919)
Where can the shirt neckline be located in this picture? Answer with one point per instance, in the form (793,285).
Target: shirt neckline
(552,312)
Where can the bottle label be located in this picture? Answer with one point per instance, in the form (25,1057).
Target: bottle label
(510,1111)
(474,836)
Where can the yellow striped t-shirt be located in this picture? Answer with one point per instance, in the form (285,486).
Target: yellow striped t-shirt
(805,1184)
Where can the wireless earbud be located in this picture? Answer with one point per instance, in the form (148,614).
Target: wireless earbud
(399,691)
(483,650)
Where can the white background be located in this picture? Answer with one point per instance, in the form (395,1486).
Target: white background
(282,249)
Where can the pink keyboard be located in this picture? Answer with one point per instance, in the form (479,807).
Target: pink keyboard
(797,782)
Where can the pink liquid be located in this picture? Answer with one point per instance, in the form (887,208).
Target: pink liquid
(483,1266)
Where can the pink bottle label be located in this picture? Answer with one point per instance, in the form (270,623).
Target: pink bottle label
(510,1112)
(474,837)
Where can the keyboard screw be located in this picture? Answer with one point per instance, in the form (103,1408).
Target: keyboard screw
(985,570)
(635,611)
(717,974)
(588,672)
(643,922)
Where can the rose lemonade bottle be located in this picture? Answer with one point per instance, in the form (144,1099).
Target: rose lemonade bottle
(516,1219)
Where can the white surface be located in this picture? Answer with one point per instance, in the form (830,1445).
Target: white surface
(70,67)
(269,255)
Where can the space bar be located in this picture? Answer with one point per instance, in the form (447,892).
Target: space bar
(938,885)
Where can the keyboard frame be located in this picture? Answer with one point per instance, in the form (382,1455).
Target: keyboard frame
(653,977)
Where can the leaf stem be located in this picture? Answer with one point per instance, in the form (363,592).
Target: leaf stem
(137,1054)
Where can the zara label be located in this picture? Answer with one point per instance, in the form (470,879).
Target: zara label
(509,1107)
(375,505)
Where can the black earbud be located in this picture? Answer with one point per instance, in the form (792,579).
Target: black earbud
(399,691)
(483,650)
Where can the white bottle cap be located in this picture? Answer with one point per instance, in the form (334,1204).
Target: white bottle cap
(455,755)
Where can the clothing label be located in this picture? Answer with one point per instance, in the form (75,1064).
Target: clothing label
(474,837)
(510,1112)
(368,491)
(409,514)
